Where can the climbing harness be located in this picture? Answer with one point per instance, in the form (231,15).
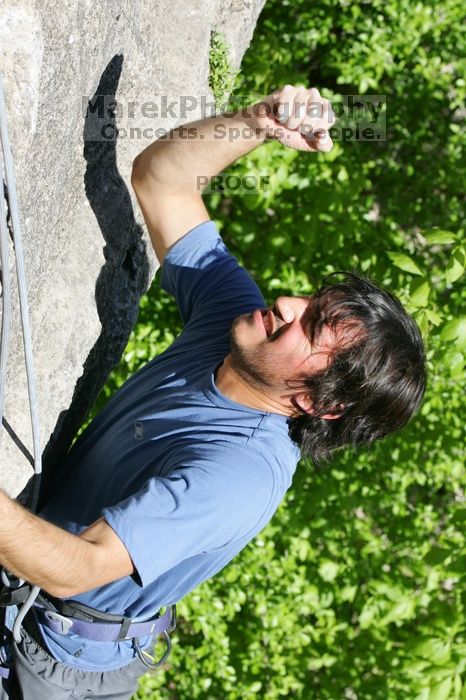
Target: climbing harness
(65,616)
(58,615)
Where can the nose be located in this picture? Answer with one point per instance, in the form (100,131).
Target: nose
(291,308)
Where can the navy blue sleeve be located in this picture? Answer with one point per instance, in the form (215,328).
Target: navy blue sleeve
(206,279)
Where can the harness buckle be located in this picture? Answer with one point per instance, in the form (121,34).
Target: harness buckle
(173,619)
(64,623)
(147,659)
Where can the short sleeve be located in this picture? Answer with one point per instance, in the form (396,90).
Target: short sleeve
(198,508)
(202,275)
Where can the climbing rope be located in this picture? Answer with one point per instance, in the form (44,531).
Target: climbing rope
(6,320)
(6,306)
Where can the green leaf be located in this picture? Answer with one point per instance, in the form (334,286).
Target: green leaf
(363,85)
(420,293)
(457,685)
(433,317)
(402,610)
(439,237)
(434,649)
(423,695)
(328,570)
(368,614)
(436,555)
(404,262)
(456,265)
(455,330)
(303,550)
(422,322)
(455,362)
(458,564)
(255,687)
(459,516)
(441,691)
(322,661)
(348,593)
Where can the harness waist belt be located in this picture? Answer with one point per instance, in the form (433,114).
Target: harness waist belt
(105,631)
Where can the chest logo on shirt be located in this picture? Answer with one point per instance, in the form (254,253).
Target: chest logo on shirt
(138,431)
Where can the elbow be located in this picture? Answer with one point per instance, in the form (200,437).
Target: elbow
(142,176)
(59,591)
(150,169)
(67,590)
(144,165)
(136,170)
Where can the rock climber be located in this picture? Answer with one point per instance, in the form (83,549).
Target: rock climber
(190,459)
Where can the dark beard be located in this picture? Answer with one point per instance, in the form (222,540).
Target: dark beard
(248,364)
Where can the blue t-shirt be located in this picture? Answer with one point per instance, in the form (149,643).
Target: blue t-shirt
(183,475)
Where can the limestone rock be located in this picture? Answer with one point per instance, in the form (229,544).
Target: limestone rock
(88,259)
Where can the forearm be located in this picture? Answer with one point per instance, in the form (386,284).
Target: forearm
(169,176)
(41,553)
(194,153)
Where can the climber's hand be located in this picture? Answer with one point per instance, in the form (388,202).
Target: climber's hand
(297,117)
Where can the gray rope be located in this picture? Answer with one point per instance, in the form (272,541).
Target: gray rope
(22,290)
(6,306)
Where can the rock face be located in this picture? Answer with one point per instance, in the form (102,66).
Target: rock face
(87,257)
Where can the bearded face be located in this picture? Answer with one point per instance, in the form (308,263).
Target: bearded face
(272,348)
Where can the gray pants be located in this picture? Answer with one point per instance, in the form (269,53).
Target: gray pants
(38,676)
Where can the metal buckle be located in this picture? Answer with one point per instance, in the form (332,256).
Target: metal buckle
(65,622)
(172,624)
(147,659)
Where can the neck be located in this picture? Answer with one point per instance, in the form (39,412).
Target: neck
(239,389)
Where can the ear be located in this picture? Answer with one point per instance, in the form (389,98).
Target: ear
(304,402)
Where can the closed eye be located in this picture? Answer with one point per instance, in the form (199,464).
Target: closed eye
(279,323)
(278,332)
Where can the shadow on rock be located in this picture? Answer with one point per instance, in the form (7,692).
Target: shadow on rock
(123,278)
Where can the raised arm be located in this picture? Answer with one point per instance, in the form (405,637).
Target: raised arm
(166,175)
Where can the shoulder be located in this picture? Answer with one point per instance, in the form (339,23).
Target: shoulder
(244,476)
(251,488)
(203,275)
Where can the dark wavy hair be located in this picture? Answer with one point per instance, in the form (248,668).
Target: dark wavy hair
(375,383)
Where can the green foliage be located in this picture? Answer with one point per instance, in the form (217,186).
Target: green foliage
(221,74)
(356,589)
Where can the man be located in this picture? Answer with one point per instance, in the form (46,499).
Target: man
(191,458)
